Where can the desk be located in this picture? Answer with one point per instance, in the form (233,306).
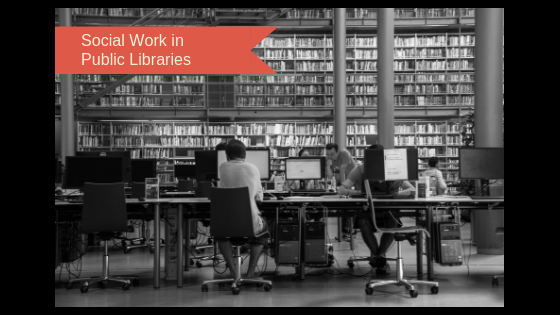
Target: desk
(344,204)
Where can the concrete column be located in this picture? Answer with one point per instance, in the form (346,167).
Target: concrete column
(68,122)
(339,43)
(489,114)
(386,77)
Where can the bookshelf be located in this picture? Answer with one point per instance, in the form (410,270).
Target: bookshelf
(145,90)
(174,142)
(57,91)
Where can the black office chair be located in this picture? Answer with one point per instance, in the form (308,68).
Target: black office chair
(104,212)
(495,281)
(232,219)
(400,236)
(185,186)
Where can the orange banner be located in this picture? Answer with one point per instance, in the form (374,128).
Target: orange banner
(159,50)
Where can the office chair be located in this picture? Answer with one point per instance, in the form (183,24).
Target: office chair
(232,219)
(204,190)
(104,212)
(185,186)
(400,236)
(495,281)
(138,191)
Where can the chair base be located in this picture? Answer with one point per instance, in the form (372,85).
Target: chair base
(237,283)
(400,281)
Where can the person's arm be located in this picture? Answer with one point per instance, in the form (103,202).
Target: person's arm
(346,161)
(407,189)
(441,182)
(259,195)
(353,178)
(328,171)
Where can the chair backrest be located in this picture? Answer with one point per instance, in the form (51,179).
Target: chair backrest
(185,185)
(371,206)
(203,190)
(104,208)
(138,190)
(231,214)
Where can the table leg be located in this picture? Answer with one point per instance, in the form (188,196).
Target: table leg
(180,263)
(156,246)
(301,243)
(420,254)
(188,245)
(429,245)
(339,229)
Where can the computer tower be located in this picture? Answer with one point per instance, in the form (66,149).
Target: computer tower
(315,243)
(287,238)
(448,247)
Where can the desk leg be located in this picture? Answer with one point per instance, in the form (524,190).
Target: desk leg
(429,245)
(301,243)
(188,245)
(180,264)
(339,229)
(420,254)
(157,238)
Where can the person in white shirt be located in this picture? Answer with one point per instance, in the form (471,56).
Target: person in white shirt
(433,171)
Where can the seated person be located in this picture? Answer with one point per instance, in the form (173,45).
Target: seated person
(364,220)
(433,171)
(236,173)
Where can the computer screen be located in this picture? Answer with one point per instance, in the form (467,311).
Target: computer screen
(185,171)
(206,165)
(305,168)
(142,169)
(258,157)
(124,154)
(481,163)
(100,170)
(391,165)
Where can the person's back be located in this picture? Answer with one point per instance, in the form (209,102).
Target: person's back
(434,172)
(236,174)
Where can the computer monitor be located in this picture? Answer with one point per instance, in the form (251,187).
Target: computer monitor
(481,163)
(80,170)
(142,169)
(305,168)
(259,157)
(206,165)
(389,166)
(124,154)
(184,171)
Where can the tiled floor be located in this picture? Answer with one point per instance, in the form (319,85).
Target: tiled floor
(457,287)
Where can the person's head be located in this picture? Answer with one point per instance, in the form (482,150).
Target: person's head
(303,153)
(433,161)
(221,146)
(332,151)
(236,150)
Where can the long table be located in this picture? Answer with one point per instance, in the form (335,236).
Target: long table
(341,204)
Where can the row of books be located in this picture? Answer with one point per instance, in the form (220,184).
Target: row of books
(93,129)
(93,141)
(189,130)
(57,100)
(295,141)
(314,66)
(250,142)
(213,142)
(156,153)
(158,129)
(127,142)
(221,130)
(423,100)
(252,129)
(160,142)
(185,142)
(138,12)
(56,77)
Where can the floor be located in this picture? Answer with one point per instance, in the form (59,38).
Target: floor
(459,286)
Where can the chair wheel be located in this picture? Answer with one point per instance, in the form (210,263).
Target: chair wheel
(435,290)
(369,291)
(413,294)
(69,286)
(191,262)
(84,289)
(495,282)
(135,283)
(210,241)
(126,287)
(235,291)
(351,265)
(267,288)
(204,288)
(199,265)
